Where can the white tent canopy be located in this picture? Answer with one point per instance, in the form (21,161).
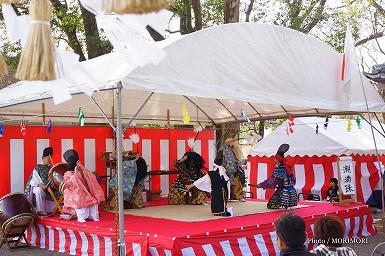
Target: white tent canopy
(268,71)
(335,140)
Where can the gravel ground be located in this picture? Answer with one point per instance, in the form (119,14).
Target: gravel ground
(361,249)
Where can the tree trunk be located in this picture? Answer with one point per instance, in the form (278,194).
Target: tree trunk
(185,19)
(261,128)
(69,30)
(225,131)
(91,31)
(196,5)
(231,11)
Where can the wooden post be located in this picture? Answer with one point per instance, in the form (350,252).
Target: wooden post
(168,118)
(43,112)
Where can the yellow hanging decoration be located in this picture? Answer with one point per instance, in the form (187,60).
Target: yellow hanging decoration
(38,59)
(349,126)
(186,116)
(133,6)
(3,67)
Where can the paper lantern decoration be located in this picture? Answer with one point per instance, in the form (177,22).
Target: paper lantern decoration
(3,67)
(23,128)
(349,129)
(133,6)
(38,59)
(135,138)
(326,123)
(81,117)
(1,130)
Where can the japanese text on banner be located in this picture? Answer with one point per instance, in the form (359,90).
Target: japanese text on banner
(347,175)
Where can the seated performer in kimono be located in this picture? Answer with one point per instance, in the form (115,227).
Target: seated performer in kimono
(233,164)
(38,183)
(217,183)
(283,179)
(190,170)
(82,193)
(134,173)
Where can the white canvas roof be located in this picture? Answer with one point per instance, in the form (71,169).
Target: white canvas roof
(268,71)
(335,140)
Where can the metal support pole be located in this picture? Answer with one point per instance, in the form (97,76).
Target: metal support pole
(104,114)
(137,112)
(119,137)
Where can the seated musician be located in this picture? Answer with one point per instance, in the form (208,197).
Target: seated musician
(333,191)
(82,193)
(134,173)
(217,183)
(190,170)
(37,184)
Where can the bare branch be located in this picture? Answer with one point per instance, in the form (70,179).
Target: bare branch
(369,38)
(249,9)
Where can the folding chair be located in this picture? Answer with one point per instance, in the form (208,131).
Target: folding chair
(58,202)
(13,230)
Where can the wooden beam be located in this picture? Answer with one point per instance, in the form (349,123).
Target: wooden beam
(228,110)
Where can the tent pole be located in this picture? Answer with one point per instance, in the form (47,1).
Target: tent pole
(137,112)
(378,156)
(375,128)
(103,114)
(119,132)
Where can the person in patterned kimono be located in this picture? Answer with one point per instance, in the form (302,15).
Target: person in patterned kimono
(38,183)
(233,164)
(134,173)
(283,179)
(190,170)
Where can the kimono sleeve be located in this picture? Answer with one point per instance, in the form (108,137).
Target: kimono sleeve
(203,183)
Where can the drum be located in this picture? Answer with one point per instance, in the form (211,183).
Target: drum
(56,175)
(14,204)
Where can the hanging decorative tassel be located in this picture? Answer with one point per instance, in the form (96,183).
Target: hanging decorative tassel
(326,123)
(23,129)
(245,117)
(3,67)
(186,116)
(316,129)
(1,130)
(81,117)
(287,130)
(290,120)
(38,61)
(133,6)
(349,126)
(49,126)
(358,121)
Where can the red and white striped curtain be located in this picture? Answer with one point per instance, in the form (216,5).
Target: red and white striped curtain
(159,147)
(313,174)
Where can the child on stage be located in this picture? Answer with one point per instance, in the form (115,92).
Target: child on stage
(217,183)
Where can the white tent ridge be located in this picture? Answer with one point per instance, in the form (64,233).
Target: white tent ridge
(335,140)
(268,71)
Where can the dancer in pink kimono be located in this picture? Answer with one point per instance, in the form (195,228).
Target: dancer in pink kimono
(82,193)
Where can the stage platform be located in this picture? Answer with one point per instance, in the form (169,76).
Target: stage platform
(251,234)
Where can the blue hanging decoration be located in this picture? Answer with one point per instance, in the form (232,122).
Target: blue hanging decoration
(245,117)
(316,129)
(326,123)
(1,130)
(49,126)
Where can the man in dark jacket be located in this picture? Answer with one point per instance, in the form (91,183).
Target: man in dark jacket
(291,235)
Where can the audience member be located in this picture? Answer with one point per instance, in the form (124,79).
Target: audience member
(331,231)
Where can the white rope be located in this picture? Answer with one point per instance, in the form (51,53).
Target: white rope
(42,22)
